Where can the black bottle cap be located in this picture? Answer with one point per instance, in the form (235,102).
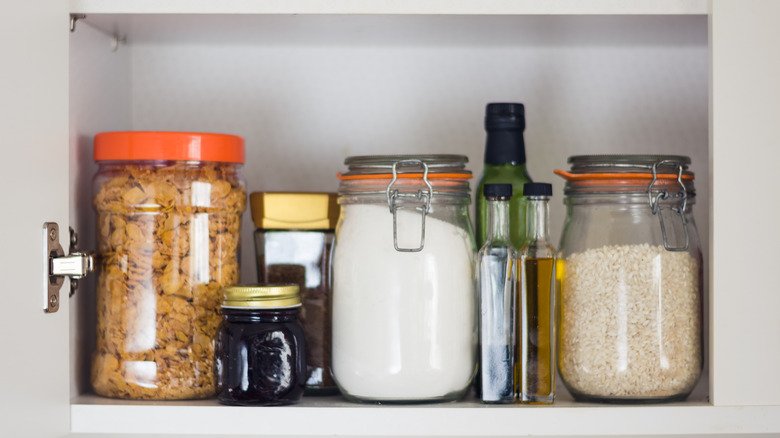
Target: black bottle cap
(537,189)
(505,123)
(505,116)
(497,190)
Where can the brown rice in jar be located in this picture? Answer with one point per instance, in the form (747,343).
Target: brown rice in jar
(630,326)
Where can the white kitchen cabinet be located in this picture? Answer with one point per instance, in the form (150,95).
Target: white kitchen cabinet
(308,82)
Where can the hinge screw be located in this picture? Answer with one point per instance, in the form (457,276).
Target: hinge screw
(53,301)
(53,234)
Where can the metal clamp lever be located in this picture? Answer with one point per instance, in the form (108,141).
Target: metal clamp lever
(678,209)
(58,266)
(421,202)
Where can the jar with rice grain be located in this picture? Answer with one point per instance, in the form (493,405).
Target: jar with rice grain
(630,325)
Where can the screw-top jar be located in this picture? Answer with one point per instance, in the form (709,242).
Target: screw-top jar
(404,302)
(631,283)
(169,208)
(260,349)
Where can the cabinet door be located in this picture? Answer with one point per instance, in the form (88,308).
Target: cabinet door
(34,379)
(745,126)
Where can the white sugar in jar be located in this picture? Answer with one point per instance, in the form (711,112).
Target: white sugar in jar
(404,304)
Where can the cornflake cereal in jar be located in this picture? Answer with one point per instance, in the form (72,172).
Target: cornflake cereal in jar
(168,230)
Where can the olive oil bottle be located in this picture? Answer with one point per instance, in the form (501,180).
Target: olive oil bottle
(496,282)
(535,365)
(504,164)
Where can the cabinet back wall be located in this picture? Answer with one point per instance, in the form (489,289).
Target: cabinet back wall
(307,91)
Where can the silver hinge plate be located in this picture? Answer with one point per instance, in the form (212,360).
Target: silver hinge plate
(76,265)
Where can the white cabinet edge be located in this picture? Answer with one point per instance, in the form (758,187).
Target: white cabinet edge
(447,7)
(459,419)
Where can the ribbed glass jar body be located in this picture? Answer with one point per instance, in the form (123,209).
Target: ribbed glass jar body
(303,257)
(630,328)
(294,234)
(404,302)
(168,237)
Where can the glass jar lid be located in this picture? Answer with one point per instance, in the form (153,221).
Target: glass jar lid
(433,175)
(261,296)
(623,163)
(377,165)
(625,174)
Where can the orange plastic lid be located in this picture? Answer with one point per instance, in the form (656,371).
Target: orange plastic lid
(177,146)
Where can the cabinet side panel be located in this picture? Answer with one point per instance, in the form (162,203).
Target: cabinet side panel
(745,67)
(34,178)
(99,101)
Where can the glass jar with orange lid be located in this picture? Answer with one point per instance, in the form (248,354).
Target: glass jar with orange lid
(630,328)
(169,208)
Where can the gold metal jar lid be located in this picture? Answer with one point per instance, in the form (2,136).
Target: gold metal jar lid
(261,296)
(294,210)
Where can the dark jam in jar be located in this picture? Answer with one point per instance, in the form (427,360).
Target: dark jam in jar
(260,356)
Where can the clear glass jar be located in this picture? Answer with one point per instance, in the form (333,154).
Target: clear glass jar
(260,357)
(630,328)
(404,302)
(168,233)
(293,241)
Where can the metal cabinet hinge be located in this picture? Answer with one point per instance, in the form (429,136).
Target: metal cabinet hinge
(76,265)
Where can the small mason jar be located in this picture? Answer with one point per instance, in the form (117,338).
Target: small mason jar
(630,328)
(260,356)
(169,208)
(404,303)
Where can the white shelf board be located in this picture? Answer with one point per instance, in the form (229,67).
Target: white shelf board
(475,7)
(324,416)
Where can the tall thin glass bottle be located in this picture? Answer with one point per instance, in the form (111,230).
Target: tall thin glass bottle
(496,271)
(536,302)
(504,164)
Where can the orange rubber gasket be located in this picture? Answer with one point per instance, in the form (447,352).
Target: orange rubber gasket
(617,178)
(405,176)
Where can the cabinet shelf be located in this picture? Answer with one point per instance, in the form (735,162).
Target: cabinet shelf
(400,80)
(603,76)
(327,416)
(695,77)
(448,7)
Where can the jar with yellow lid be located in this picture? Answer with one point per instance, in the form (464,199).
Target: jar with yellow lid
(293,239)
(260,356)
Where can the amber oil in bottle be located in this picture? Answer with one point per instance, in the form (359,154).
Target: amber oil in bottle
(535,365)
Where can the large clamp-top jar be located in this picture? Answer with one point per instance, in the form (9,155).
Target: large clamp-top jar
(631,285)
(169,208)
(404,303)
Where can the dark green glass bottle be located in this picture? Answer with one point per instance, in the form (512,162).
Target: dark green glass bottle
(504,164)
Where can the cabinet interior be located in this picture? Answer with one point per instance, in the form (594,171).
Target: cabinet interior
(306,91)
